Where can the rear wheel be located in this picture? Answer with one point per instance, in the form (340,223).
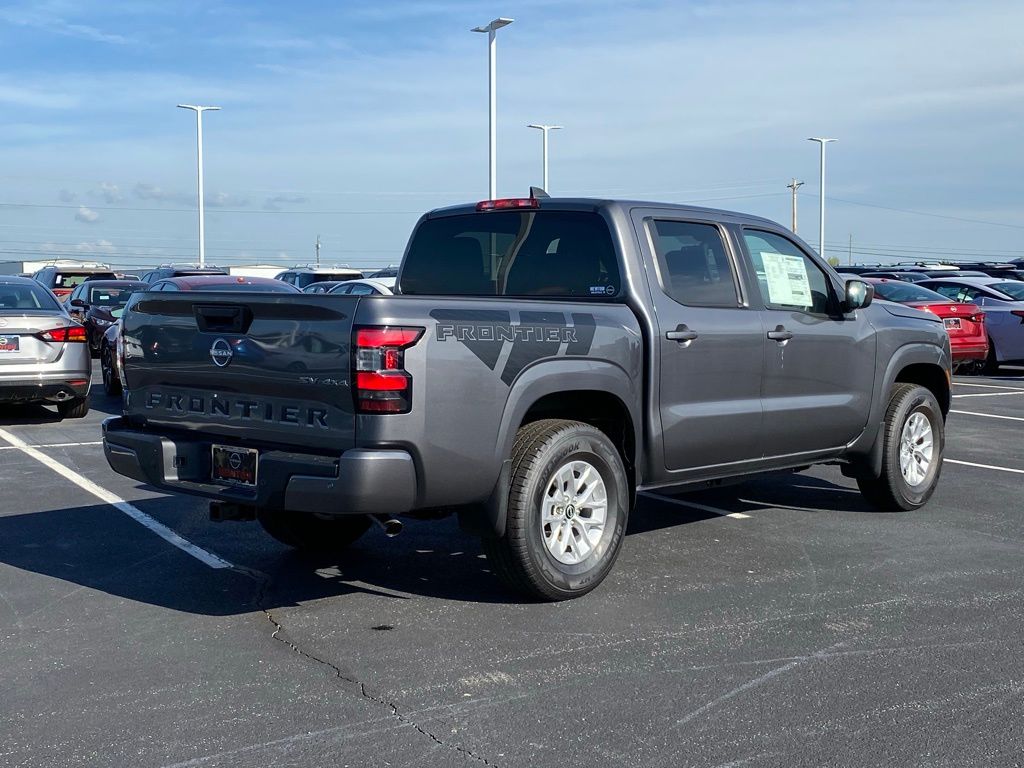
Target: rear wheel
(76,408)
(306,531)
(914,437)
(111,383)
(567,511)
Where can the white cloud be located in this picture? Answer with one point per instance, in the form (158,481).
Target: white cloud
(97,246)
(277,202)
(87,215)
(109,192)
(154,192)
(40,17)
(225,200)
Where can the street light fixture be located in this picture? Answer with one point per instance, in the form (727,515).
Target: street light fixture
(199,163)
(821,194)
(544,129)
(491,29)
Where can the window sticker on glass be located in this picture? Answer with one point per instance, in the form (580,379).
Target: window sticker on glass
(787,280)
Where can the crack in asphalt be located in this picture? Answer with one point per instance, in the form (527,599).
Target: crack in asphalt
(277,635)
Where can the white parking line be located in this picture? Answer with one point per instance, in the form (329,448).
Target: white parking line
(983,386)
(701,507)
(161,530)
(989,415)
(984,466)
(992,394)
(51,445)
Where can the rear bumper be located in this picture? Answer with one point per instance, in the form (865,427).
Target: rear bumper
(964,352)
(356,482)
(52,389)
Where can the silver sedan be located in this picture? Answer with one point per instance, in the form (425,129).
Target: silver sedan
(44,354)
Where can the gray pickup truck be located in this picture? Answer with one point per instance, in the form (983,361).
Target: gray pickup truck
(542,362)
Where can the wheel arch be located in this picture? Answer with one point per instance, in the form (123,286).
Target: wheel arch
(594,392)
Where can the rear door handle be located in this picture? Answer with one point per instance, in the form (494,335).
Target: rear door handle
(681,334)
(780,334)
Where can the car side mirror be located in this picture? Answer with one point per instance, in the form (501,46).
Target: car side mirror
(858,295)
(79,303)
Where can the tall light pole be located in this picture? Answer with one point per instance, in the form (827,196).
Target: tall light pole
(821,195)
(199,164)
(492,94)
(544,129)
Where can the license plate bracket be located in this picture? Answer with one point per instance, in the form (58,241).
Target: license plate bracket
(234,465)
(952,323)
(10,343)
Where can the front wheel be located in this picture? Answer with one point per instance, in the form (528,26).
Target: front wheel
(567,511)
(306,531)
(913,436)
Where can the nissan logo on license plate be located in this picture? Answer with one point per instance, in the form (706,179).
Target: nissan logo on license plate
(221,352)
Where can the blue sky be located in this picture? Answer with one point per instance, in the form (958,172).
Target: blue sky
(348,119)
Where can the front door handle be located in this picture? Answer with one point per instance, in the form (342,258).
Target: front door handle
(682,334)
(780,334)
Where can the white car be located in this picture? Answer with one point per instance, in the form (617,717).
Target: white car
(381,286)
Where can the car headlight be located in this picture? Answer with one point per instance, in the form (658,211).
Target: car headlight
(103,323)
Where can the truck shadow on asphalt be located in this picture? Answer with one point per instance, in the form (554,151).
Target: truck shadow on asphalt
(99,548)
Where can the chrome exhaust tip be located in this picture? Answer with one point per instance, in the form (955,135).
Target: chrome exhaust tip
(389,525)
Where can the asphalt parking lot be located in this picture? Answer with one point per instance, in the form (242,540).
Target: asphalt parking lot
(775,623)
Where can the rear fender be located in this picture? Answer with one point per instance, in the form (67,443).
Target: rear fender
(549,378)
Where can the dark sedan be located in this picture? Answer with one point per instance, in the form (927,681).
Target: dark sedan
(97,304)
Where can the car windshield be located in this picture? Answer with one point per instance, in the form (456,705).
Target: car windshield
(903,292)
(304,279)
(110,297)
(513,253)
(16,298)
(1014,289)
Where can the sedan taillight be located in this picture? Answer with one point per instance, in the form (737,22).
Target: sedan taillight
(71,333)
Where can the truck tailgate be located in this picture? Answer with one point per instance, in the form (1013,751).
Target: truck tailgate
(274,368)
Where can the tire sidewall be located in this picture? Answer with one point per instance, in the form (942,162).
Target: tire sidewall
(920,401)
(595,449)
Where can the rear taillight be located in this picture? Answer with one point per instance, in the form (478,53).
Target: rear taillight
(61,292)
(72,333)
(977,317)
(380,381)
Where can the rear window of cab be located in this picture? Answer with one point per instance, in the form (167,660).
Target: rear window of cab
(556,254)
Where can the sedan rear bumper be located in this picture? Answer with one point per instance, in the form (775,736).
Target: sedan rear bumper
(50,389)
(965,352)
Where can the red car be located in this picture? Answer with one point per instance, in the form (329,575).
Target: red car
(964,322)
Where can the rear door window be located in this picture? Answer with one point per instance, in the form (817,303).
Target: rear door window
(694,267)
(559,254)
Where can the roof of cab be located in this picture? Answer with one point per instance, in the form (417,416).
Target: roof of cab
(595,204)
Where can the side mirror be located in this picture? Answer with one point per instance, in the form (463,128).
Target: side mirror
(79,303)
(858,295)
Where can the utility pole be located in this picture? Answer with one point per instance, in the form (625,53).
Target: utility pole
(849,258)
(794,185)
(318,250)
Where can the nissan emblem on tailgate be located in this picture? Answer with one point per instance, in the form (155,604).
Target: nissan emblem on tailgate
(221,352)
